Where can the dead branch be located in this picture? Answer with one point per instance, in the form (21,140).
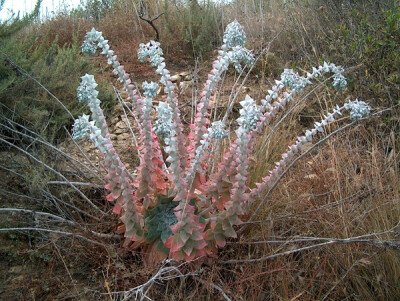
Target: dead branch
(61,220)
(53,231)
(57,173)
(327,241)
(151,22)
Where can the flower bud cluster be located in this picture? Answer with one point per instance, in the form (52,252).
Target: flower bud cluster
(250,114)
(293,80)
(163,124)
(150,89)
(217,130)
(234,35)
(89,46)
(358,109)
(81,127)
(86,92)
(151,50)
(240,55)
(296,82)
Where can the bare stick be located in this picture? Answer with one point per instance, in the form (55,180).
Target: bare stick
(75,183)
(214,286)
(333,204)
(127,120)
(54,200)
(57,173)
(59,219)
(53,231)
(82,152)
(380,243)
(151,22)
(40,139)
(361,238)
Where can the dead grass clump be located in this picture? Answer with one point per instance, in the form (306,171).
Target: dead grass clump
(346,189)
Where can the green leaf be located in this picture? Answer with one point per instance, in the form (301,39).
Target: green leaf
(159,219)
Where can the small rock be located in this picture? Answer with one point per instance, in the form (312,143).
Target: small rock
(183,86)
(120,125)
(125,136)
(119,131)
(175,78)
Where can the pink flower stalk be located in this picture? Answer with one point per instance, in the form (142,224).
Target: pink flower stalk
(220,183)
(176,142)
(201,121)
(287,157)
(94,37)
(151,180)
(118,181)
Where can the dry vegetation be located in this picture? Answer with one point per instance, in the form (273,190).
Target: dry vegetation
(329,231)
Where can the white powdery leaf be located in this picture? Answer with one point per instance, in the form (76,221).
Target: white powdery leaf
(163,125)
(150,89)
(81,127)
(234,35)
(358,109)
(217,130)
(250,114)
(86,91)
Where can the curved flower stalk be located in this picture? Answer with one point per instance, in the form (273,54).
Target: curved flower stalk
(163,124)
(232,52)
(151,179)
(358,109)
(176,150)
(289,155)
(118,181)
(275,101)
(93,40)
(237,205)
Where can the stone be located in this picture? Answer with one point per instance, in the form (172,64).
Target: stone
(175,78)
(125,136)
(120,131)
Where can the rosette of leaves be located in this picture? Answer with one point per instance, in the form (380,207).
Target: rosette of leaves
(158,221)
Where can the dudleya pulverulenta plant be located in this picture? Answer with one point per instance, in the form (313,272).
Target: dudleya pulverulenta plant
(180,204)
